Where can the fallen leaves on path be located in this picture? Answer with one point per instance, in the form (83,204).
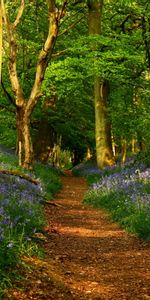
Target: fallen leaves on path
(87,256)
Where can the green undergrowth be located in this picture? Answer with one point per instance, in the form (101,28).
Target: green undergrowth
(132,219)
(45,173)
(22,217)
(125,195)
(50,178)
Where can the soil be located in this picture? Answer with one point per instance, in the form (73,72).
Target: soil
(87,256)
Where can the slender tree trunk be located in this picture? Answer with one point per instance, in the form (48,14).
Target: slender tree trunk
(123,150)
(76,158)
(104,151)
(88,154)
(133,145)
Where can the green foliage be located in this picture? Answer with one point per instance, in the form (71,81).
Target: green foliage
(144,156)
(49,177)
(7,128)
(127,216)
(73,115)
(21,212)
(125,196)
(119,56)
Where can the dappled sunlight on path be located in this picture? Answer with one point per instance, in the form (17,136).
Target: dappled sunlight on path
(87,256)
(97,260)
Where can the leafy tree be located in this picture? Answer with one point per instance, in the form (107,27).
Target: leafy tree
(25,108)
(113,59)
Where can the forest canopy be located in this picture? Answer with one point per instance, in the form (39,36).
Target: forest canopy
(75,79)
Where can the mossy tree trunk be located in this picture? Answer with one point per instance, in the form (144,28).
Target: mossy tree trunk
(104,151)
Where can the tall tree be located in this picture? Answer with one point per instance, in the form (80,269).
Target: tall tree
(104,152)
(1,34)
(24,108)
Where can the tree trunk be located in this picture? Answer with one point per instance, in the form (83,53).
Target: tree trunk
(76,157)
(1,39)
(44,141)
(104,153)
(133,145)
(25,149)
(123,151)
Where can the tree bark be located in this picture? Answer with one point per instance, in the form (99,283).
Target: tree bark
(123,150)
(44,141)
(104,153)
(25,149)
(1,38)
(24,108)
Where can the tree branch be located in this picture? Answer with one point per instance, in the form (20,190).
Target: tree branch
(19,174)
(12,52)
(7,108)
(19,15)
(70,27)
(9,97)
(59,53)
(45,53)
(122,25)
(81,10)
(62,11)
(5,17)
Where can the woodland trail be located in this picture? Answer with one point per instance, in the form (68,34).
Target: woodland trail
(87,256)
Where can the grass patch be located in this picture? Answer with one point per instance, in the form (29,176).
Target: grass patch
(49,177)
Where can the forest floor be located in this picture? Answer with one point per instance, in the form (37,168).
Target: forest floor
(87,255)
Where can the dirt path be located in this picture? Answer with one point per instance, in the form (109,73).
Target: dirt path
(87,256)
